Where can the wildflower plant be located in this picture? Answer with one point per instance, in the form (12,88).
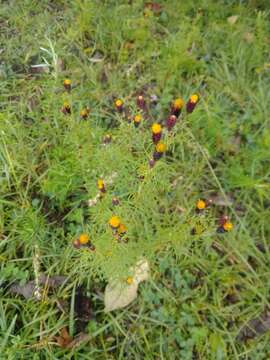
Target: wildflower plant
(136,214)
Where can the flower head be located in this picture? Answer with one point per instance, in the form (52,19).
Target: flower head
(114,222)
(192,102)
(107,139)
(156,132)
(227,226)
(84,239)
(101,185)
(159,151)
(137,119)
(178,103)
(84,112)
(130,280)
(160,147)
(177,106)
(156,128)
(201,204)
(66,109)
(194,98)
(119,105)
(67,84)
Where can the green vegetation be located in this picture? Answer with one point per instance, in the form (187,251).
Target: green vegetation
(204,287)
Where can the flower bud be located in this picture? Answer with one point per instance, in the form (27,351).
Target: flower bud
(192,102)
(67,84)
(141,102)
(66,109)
(171,121)
(156,132)
(119,105)
(159,151)
(177,106)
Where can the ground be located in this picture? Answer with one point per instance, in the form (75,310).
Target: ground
(205,286)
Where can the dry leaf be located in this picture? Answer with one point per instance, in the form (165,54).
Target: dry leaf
(29,288)
(64,339)
(232,19)
(255,327)
(221,201)
(39,69)
(78,340)
(119,294)
(141,271)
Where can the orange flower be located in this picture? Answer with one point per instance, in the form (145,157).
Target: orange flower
(84,112)
(227,226)
(159,151)
(130,280)
(161,147)
(67,84)
(201,205)
(156,132)
(101,185)
(114,222)
(84,239)
(192,102)
(156,128)
(137,119)
(119,105)
(66,109)
(177,106)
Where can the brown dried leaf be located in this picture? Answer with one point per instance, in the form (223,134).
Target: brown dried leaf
(64,339)
(221,201)
(255,327)
(40,69)
(28,289)
(78,340)
(119,294)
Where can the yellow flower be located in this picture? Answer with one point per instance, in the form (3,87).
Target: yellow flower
(194,98)
(84,112)
(84,239)
(114,222)
(67,82)
(201,204)
(178,103)
(137,118)
(118,103)
(160,147)
(156,128)
(129,280)
(227,226)
(100,184)
(66,105)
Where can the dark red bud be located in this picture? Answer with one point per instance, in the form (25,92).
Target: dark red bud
(171,121)
(156,137)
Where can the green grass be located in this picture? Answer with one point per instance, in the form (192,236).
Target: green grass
(198,299)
